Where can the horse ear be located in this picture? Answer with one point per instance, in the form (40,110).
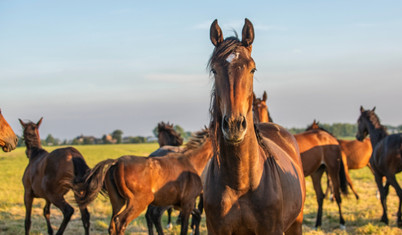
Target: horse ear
(254,98)
(247,36)
(21,122)
(264,96)
(314,122)
(361,109)
(373,109)
(215,33)
(39,122)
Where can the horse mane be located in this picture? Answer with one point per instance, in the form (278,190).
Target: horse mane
(375,120)
(170,131)
(197,139)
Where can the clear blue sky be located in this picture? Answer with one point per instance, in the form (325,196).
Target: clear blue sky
(90,67)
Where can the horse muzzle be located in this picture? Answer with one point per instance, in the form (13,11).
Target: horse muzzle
(234,129)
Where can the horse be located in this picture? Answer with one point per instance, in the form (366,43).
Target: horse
(132,182)
(169,141)
(255,182)
(385,159)
(50,176)
(320,152)
(260,109)
(8,139)
(355,155)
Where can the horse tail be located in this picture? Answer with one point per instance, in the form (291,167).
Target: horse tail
(342,177)
(87,190)
(80,169)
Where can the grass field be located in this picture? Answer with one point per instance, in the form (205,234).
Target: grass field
(362,216)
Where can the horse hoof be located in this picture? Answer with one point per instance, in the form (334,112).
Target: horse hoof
(384,220)
(342,227)
(169,226)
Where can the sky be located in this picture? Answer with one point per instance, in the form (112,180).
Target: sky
(91,67)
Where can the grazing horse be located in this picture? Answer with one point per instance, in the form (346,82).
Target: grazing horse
(386,158)
(355,155)
(132,183)
(8,140)
(260,109)
(320,152)
(254,183)
(50,176)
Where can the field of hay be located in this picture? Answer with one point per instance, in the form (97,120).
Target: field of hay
(362,216)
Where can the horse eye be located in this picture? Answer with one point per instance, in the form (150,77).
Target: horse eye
(213,71)
(253,70)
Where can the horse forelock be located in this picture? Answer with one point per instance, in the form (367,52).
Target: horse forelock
(226,48)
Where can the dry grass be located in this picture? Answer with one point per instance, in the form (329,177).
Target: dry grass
(362,216)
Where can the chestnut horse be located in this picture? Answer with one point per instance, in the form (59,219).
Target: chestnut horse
(355,155)
(50,176)
(169,141)
(8,140)
(386,158)
(320,152)
(254,183)
(260,109)
(132,183)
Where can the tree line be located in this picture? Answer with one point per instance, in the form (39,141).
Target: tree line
(340,130)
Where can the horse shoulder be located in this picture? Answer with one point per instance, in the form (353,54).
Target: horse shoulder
(276,134)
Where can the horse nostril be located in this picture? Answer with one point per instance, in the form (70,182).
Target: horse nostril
(225,123)
(244,123)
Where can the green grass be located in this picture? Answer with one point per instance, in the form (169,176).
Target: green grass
(362,216)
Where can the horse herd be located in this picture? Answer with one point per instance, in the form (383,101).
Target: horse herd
(248,171)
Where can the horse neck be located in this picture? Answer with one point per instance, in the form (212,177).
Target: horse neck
(199,157)
(377,133)
(239,164)
(34,147)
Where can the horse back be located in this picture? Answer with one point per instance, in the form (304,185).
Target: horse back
(357,153)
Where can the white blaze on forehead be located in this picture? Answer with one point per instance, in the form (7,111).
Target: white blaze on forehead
(232,57)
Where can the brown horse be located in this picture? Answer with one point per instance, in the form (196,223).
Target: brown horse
(255,182)
(386,158)
(260,109)
(355,155)
(132,183)
(50,176)
(8,140)
(320,152)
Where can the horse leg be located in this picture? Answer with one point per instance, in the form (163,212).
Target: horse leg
(46,214)
(316,178)
(28,199)
(157,218)
(169,222)
(85,217)
(348,179)
(392,180)
(148,218)
(334,175)
(185,215)
(67,212)
(383,197)
(196,216)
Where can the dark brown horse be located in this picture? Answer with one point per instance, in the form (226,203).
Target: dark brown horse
(132,183)
(169,141)
(355,155)
(50,176)
(255,182)
(8,140)
(320,152)
(260,109)
(386,158)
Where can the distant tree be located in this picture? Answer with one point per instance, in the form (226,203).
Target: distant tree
(75,142)
(50,140)
(155,131)
(117,135)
